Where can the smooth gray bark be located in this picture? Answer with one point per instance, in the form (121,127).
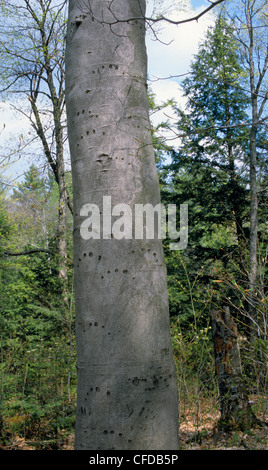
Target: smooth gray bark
(127,393)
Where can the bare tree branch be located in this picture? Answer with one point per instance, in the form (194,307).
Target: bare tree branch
(26,252)
(149,19)
(187,20)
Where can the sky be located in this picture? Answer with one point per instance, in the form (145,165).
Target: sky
(173,55)
(179,43)
(169,55)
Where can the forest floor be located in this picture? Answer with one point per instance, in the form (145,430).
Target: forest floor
(198,428)
(198,424)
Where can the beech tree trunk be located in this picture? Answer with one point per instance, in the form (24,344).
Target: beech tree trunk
(127,393)
(236,412)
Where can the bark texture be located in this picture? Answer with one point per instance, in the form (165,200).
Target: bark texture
(236,411)
(127,394)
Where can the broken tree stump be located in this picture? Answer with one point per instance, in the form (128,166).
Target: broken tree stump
(236,412)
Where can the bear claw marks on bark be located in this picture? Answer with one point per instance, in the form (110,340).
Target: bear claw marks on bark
(79,19)
(103,159)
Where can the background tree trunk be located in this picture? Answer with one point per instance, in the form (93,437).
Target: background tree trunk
(127,393)
(253,321)
(36,59)
(254,52)
(236,411)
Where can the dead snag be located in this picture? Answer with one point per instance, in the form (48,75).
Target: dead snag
(236,412)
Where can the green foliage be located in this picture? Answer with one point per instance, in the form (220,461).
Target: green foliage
(38,376)
(5,226)
(194,360)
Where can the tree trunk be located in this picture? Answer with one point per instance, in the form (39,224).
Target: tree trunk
(62,227)
(254,89)
(253,233)
(60,169)
(236,412)
(127,393)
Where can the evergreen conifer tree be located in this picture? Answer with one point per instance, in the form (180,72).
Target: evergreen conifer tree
(210,170)
(212,157)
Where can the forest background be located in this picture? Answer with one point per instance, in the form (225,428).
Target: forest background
(211,153)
